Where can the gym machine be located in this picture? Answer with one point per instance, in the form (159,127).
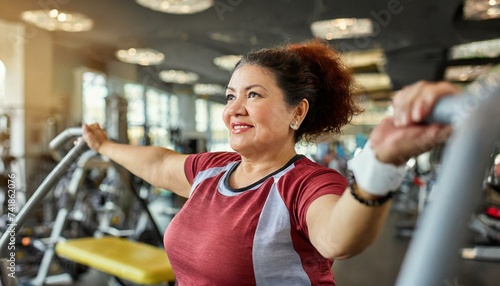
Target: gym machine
(434,250)
(125,259)
(9,164)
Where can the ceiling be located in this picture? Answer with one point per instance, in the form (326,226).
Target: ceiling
(415,35)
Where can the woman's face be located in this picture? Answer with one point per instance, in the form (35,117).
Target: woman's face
(256,114)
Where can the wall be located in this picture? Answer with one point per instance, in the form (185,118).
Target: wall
(40,88)
(187,107)
(12,55)
(68,65)
(119,73)
(39,101)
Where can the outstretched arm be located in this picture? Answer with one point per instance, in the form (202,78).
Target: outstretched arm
(340,227)
(158,166)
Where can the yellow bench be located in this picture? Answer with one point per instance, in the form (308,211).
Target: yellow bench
(137,262)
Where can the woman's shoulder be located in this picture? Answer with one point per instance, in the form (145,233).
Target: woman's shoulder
(214,159)
(309,164)
(309,180)
(310,170)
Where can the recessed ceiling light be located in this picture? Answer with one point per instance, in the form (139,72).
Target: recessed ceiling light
(465,73)
(55,20)
(143,57)
(364,58)
(342,28)
(178,76)
(482,49)
(177,6)
(373,81)
(227,62)
(208,89)
(481,9)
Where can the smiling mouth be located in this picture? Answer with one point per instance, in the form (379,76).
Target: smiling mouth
(241,128)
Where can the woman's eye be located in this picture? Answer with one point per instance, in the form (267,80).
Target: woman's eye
(229,97)
(252,94)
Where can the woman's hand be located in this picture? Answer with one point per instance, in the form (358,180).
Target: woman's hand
(94,135)
(398,138)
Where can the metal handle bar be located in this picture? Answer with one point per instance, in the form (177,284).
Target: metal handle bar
(454,109)
(64,136)
(433,253)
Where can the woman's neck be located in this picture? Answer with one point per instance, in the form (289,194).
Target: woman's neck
(252,169)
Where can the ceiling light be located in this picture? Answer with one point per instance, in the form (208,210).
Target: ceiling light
(374,112)
(483,49)
(225,37)
(227,62)
(55,20)
(208,89)
(373,81)
(364,58)
(465,73)
(177,76)
(177,6)
(143,57)
(481,9)
(342,28)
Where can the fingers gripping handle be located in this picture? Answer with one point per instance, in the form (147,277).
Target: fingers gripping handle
(454,109)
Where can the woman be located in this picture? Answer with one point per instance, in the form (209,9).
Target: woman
(263,214)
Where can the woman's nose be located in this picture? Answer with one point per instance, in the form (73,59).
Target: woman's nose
(237,106)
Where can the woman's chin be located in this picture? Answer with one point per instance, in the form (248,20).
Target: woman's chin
(237,147)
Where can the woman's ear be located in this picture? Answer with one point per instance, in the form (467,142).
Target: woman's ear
(301,110)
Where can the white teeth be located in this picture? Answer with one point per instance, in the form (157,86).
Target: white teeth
(241,127)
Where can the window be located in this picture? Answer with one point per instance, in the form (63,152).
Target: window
(201,115)
(94,92)
(219,135)
(173,111)
(149,112)
(154,109)
(157,120)
(136,112)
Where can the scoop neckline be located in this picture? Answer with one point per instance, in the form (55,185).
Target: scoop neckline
(260,181)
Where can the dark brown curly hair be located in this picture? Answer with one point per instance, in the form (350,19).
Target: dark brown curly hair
(311,70)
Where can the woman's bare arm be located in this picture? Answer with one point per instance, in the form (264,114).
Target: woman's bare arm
(158,166)
(341,226)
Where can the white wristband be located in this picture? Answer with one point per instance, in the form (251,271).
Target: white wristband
(373,176)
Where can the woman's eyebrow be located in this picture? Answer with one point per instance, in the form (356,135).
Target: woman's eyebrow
(248,87)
